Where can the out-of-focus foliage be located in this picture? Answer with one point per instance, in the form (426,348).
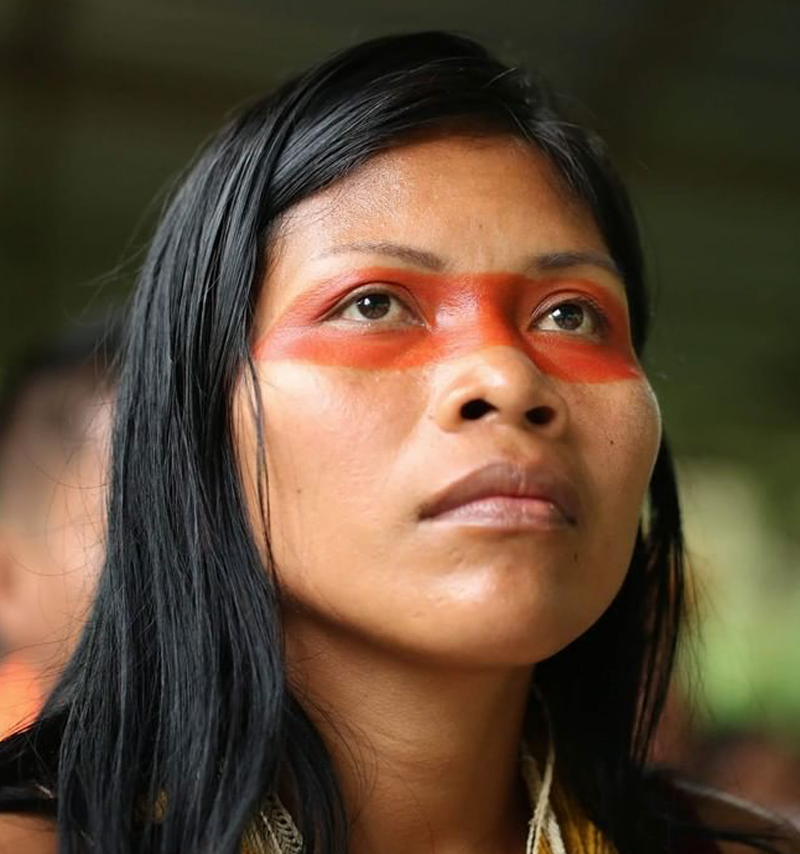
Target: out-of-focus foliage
(748,584)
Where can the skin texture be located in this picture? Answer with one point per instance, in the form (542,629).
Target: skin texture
(467,311)
(350,549)
(413,642)
(24,835)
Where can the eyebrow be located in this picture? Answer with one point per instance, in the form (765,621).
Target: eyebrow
(563,260)
(418,257)
(544,262)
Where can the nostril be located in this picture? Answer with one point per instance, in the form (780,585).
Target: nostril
(475,409)
(540,415)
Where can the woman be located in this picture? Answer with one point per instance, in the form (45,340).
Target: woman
(378,577)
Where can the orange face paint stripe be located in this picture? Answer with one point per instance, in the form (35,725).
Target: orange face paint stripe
(458,314)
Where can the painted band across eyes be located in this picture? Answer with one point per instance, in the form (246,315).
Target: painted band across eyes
(373,297)
(455,314)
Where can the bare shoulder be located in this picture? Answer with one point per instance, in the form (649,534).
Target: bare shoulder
(726,811)
(27,835)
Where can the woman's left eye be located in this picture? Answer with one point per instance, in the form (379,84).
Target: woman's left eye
(374,305)
(575,317)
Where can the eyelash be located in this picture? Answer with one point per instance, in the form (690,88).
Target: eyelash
(368,291)
(600,315)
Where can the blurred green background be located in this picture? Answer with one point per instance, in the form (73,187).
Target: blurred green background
(102,102)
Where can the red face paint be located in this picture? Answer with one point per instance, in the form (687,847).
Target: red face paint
(456,314)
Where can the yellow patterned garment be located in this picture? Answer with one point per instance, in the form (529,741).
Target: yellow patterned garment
(579,834)
(273,834)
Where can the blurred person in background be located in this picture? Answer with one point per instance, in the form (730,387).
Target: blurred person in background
(55,416)
(379,576)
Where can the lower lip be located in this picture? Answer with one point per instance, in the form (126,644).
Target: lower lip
(507,512)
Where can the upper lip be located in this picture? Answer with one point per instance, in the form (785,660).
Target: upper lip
(508,479)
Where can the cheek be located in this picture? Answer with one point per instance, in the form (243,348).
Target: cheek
(616,430)
(620,428)
(333,437)
(635,435)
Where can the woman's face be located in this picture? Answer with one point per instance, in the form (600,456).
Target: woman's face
(448,311)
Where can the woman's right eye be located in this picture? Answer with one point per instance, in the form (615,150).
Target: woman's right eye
(374,305)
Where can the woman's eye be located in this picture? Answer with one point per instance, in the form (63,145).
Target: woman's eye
(576,317)
(372,306)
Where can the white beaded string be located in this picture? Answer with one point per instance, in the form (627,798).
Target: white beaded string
(543,823)
(284,838)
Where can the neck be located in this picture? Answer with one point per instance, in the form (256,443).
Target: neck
(427,757)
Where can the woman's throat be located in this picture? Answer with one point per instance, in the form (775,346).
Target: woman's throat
(465,312)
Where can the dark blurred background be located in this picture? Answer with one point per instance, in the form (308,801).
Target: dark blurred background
(103,102)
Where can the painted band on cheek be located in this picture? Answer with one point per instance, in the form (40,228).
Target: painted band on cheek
(464,313)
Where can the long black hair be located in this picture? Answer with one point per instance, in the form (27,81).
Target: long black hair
(173,718)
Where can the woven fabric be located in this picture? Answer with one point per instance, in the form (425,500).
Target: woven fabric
(580,835)
(275,833)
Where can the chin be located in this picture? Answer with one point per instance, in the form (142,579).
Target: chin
(506,637)
(510,618)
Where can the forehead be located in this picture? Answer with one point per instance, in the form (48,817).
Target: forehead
(479,204)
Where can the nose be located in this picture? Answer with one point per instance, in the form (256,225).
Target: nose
(502,385)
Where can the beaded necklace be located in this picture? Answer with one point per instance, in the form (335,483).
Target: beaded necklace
(276,833)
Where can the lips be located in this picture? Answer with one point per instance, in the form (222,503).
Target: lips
(510,480)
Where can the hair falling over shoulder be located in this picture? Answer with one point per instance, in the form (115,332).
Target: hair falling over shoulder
(173,717)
